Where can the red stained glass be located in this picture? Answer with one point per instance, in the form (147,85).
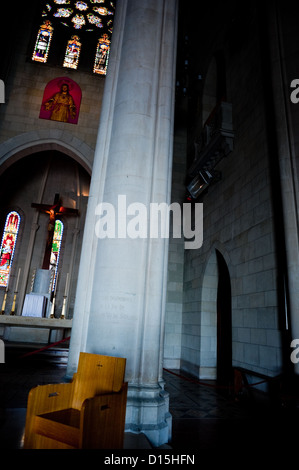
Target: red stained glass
(8,245)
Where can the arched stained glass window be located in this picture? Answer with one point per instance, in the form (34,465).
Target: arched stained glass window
(72,53)
(43,40)
(56,246)
(102,55)
(8,245)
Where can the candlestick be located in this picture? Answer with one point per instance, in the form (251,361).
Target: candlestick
(62,316)
(51,281)
(54,299)
(13,308)
(32,280)
(52,308)
(55,289)
(4,302)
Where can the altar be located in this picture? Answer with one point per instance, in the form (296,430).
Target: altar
(33,325)
(37,323)
(35,305)
(38,302)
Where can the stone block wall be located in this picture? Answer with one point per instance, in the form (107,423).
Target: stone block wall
(24,134)
(174,301)
(25,82)
(238,222)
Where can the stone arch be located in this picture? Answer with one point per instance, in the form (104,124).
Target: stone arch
(224,323)
(209,311)
(36,141)
(208,321)
(21,148)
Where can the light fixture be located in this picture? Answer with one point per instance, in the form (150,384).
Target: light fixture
(199,183)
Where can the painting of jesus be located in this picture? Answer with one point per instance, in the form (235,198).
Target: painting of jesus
(61,101)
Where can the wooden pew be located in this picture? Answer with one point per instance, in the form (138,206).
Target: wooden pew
(88,413)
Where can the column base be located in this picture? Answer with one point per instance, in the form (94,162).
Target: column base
(148,413)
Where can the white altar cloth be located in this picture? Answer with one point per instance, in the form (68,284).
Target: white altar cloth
(34,305)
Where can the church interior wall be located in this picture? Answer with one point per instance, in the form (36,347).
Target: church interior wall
(26,141)
(238,216)
(238,210)
(174,301)
(289,43)
(26,80)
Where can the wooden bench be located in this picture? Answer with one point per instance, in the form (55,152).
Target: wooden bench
(88,413)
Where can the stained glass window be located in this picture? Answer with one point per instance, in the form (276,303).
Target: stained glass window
(81,6)
(43,41)
(91,19)
(85,15)
(72,53)
(8,245)
(63,12)
(102,55)
(56,246)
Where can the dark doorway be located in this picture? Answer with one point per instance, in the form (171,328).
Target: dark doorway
(224,324)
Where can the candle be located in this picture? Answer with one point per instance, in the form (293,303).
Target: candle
(17,283)
(66,285)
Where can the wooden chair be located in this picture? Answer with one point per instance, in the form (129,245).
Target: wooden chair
(88,413)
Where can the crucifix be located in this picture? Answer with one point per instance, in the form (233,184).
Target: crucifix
(54,211)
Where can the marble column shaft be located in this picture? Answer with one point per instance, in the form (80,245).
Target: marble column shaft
(120,300)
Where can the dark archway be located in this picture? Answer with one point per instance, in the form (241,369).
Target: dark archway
(224,323)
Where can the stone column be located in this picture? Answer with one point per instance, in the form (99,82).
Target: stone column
(288,177)
(121,292)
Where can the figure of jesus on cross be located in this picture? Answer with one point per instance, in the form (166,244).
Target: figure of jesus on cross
(55,210)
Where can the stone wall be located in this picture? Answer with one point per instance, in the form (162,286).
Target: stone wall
(238,222)
(174,303)
(26,141)
(25,82)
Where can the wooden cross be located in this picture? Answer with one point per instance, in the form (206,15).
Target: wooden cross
(54,211)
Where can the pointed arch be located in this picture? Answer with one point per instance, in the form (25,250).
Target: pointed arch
(224,322)
(208,319)
(40,140)
(215,321)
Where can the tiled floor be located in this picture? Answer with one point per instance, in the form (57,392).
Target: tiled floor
(203,417)
(214,422)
